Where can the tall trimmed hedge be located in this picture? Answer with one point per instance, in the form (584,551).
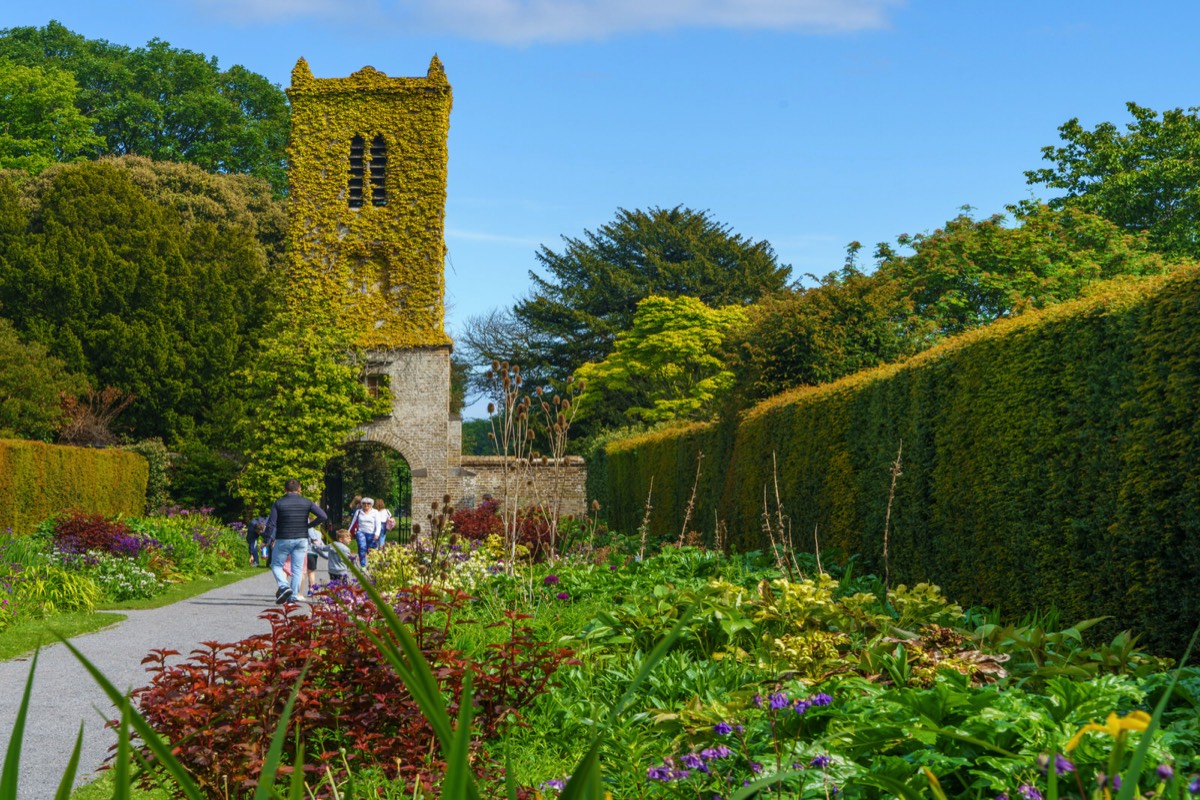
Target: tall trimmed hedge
(38,480)
(1051,459)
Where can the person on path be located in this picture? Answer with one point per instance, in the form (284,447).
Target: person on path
(314,539)
(387,522)
(366,528)
(254,532)
(288,527)
(339,556)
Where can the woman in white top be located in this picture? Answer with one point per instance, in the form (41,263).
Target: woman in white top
(366,528)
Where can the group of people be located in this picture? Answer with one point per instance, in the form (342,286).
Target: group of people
(293,540)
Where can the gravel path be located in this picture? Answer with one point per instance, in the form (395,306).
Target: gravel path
(65,695)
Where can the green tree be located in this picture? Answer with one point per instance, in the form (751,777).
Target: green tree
(666,367)
(32,384)
(847,323)
(165,103)
(973,272)
(303,398)
(1146,178)
(135,293)
(592,288)
(39,123)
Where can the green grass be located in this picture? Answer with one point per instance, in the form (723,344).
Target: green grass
(28,635)
(102,789)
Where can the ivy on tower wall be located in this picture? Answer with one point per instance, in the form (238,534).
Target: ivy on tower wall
(379,268)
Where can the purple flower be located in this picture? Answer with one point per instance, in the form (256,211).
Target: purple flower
(662,773)
(758,701)
(802,706)
(777,701)
(1002,796)
(691,761)
(563,596)
(554,784)
(720,751)
(722,729)
(820,699)
(1062,765)
(1116,782)
(821,762)
(1029,792)
(1165,773)
(549,580)
(612,567)
(1194,786)
(755,767)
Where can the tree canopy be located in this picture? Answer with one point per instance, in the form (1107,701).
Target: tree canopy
(667,366)
(1144,179)
(130,292)
(32,385)
(39,123)
(156,101)
(591,289)
(972,272)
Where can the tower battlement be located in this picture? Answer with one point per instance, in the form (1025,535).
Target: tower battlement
(367,178)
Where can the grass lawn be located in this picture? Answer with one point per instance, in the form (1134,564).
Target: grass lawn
(26,636)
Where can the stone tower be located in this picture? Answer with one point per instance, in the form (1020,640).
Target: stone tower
(367,178)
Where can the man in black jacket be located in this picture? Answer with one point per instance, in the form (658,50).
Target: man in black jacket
(288,528)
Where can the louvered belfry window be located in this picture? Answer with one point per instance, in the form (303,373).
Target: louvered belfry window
(378,172)
(366,179)
(355,195)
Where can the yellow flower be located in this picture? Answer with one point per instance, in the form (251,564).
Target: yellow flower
(1114,726)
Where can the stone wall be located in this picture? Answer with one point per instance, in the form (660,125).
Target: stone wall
(483,476)
(420,427)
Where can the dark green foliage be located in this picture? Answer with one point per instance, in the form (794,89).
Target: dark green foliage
(32,383)
(591,289)
(848,323)
(165,103)
(973,272)
(475,440)
(1144,179)
(158,463)
(200,478)
(39,480)
(113,279)
(1050,460)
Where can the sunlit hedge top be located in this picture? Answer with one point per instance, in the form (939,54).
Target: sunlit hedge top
(384,262)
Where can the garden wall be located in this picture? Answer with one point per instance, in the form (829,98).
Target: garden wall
(1048,460)
(38,480)
(483,476)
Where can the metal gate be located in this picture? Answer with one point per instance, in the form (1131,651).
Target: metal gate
(368,468)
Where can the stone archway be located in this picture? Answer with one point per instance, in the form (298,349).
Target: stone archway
(372,469)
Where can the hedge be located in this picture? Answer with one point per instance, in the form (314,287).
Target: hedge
(38,480)
(1050,460)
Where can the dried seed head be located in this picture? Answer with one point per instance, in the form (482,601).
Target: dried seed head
(495,365)
(434,505)
(416,529)
(595,505)
(545,407)
(491,408)
(516,369)
(570,379)
(566,405)
(538,391)
(506,383)
(445,499)
(582,385)
(529,435)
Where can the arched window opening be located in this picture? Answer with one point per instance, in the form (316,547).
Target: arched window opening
(356,172)
(378,172)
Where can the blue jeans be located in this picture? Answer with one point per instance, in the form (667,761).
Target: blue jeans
(365,542)
(297,551)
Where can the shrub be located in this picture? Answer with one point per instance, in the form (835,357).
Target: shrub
(221,705)
(479,522)
(124,579)
(44,589)
(195,545)
(77,533)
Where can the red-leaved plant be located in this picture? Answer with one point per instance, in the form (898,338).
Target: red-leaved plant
(221,705)
(479,522)
(78,532)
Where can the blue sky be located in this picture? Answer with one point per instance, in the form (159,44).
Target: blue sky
(808,123)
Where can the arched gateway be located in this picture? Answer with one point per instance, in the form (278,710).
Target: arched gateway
(367,178)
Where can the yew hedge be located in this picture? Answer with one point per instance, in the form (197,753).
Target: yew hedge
(1048,460)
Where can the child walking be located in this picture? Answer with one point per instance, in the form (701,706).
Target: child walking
(338,554)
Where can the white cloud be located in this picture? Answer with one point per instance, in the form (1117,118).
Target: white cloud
(530,21)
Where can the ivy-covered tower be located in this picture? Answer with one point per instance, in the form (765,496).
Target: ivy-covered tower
(367,178)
